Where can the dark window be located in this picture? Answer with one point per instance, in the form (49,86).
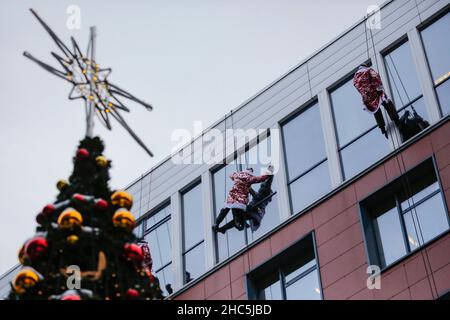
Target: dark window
(437,47)
(360,142)
(291,275)
(404,215)
(234,240)
(403,79)
(159,238)
(193,241)
(306,159)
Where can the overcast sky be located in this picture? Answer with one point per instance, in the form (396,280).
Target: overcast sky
(193,60)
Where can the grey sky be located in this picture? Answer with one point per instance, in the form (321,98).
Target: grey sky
(193,60)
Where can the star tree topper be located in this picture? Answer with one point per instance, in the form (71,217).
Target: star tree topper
(90,83)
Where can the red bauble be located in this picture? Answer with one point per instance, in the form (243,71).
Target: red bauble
(82,154)
(71,297)
(101,204)
(78,197)
(36,248)
(132,293)
(134,253)
(45,213)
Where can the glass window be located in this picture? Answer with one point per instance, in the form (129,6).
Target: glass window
(304,288)
(404,215)
(304,142)
(234,240)
(193,249)
(292,275)
(164,276)
(363,152)
(194,262)
(249,159)
(405,86)
(402,76)
(309,187)
(389,232)
(272,292)
(356,131)
(158,235)
(306,159)
(437,48)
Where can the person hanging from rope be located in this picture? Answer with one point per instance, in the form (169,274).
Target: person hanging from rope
(256,209)
(237,199)
(368,83)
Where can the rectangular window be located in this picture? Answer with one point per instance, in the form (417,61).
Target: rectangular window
(158,235)
(306,159)
(437,48)
(360,143)
(193,241)
(403,80)
(233,240)
(404,215)
(291,275)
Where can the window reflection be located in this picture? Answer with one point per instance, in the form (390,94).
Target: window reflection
(437,48)
(360,144)
(293,275)
(402,76)
(193,244)
(159,238)
(306,158)
(310,187)
(390,236)
(305,288)
(234,240)
(404,215)
(194,263)
(363,152)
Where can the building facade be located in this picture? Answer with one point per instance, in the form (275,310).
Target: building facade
(353,215)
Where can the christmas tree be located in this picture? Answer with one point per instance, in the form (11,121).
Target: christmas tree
(84,247)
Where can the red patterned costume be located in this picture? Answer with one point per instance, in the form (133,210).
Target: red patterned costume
(237,199)
(238,195)
(368,82)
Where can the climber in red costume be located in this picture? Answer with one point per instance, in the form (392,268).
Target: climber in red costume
(237,199)
(368,83)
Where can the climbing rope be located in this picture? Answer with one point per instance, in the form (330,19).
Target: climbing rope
(407,185)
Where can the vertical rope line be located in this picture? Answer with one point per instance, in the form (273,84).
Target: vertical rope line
(406,184)
(418,11)
(309,79)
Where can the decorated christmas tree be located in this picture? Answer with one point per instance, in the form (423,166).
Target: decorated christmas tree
(84,247)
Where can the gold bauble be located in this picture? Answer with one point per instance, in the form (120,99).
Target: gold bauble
(122,199)
(62,184)
(123,218)
(69,219)
(24,280)
(72,239)
(101,161)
